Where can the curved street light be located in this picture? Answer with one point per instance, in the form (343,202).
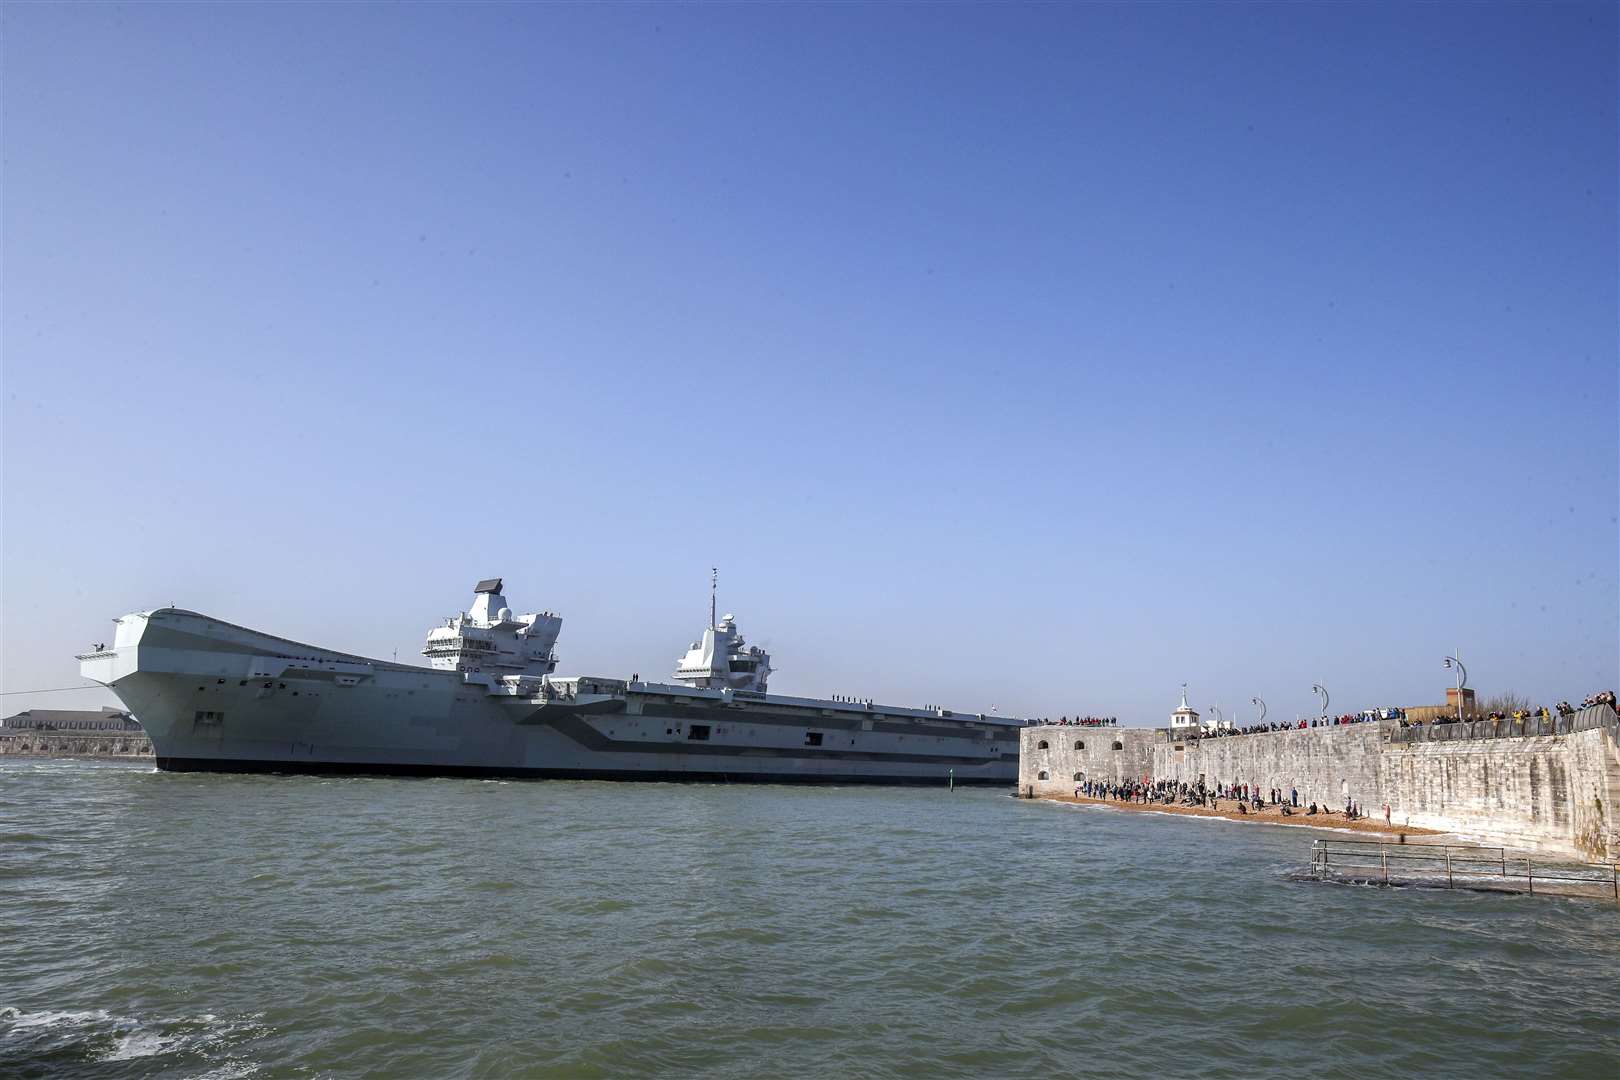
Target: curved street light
(1321,691)
(1257,701)
(1462,681)
(1216,709)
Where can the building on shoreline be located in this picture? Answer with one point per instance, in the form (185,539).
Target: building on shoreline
(103,719)
(101,733)
(1444,714)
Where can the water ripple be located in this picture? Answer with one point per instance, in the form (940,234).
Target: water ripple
(193,925)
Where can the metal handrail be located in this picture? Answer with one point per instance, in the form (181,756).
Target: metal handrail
(1586,718)
(1460,861)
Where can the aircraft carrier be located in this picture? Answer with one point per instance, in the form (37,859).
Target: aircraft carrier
(214,696)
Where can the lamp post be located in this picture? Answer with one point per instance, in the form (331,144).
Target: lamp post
(1216,709)
(1462,681)
(1257,701)
(1321,691)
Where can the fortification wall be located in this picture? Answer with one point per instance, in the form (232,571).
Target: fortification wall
(1050,758)
(1325,765)
(1558,793)
(115,744)
(1549,792)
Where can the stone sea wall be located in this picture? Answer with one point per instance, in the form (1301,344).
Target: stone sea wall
(1064,754)
(1556,793)
(1322,764)
(1325,765)
(1551,792)
(112,744)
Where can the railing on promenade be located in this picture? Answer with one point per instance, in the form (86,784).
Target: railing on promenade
(1593,716)
(1464,866)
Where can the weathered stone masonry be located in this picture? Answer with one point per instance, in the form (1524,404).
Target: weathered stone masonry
(1552,792)
(1549,792)
(76,744)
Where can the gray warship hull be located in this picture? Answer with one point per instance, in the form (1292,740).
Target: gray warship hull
(214,696)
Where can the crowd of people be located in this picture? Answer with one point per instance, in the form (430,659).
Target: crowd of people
(1371,716)
(1245,798)
(1563,708)
(1601,697)
(1366,716)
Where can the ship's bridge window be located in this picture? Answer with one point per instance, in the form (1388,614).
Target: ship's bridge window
(742,665)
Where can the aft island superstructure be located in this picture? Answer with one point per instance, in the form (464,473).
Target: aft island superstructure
(220,697)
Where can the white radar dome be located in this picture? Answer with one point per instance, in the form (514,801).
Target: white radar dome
(504,615)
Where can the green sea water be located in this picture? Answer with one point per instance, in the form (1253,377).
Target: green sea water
(192,925)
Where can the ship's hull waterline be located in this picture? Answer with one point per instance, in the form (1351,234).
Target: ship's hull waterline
(214,696)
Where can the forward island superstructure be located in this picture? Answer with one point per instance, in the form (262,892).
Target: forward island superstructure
(220,697)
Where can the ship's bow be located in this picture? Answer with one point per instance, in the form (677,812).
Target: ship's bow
(119,668)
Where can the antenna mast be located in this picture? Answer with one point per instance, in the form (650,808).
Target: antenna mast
(714,585)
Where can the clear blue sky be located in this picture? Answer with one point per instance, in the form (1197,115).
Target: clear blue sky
(1043,357)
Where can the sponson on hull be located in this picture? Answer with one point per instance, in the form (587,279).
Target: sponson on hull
(213,695)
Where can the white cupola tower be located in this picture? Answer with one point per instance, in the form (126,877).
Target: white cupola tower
(1184,721)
